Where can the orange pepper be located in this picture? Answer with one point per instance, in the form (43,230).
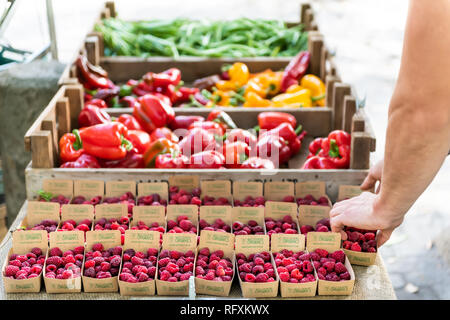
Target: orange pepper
(252,99)
(239,73)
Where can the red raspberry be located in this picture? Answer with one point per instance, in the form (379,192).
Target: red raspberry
(355,247)
(284,276)
(345,276)
(10,271)
(340,268)
(339,256)
(321,252)
(55,252)
(249,277)
(97,247)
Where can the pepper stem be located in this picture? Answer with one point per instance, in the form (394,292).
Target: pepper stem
(127,143)
(78,144)
(298,130)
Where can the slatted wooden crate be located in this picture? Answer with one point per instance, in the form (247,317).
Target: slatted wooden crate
(122,68)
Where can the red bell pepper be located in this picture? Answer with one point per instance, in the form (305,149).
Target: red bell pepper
(210,126)
(152,112)
(140,139)
(92,115)
(128,102)
(242,135)
(163,132)
(132,160)
(171,161)
(163,79)
(186,93)
(70,147)
(335,148)
(222,118)
(295,70)
(106,140)
(317,162)
(315,146)
(84,161)
(235,153)
(97,102)
(272,119)
(90,79)
(183,122)
(129,121)
(197,140)
(274,148)
(257,163)
(207,160)
(157,147)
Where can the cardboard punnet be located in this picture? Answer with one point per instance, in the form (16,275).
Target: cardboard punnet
(58,187)
(348,191)
(277,190)
(77,212)
(109,211)
(211,213)
(89,188)
(189,210)
(216,189)
(245,214)
(181,242)
(187,183)
(344,287)
(22,243)
(139,240)
(148,188)
(118,188)
(315,188)
(243,189)
(256,244)
(214,240)
(296,243)
(278,210)
(361,258)
(109,239)
(37,211)
(149,215)
(68,240)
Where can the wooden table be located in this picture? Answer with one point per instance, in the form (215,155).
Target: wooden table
(372,283)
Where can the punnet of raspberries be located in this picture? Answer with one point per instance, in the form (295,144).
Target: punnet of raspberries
(126,198)
(294,267)
(311,201)
(25,266)
(249,201)
(64,265)
(100,263)
(289,199)
(218,225)
(141,225)
(83,200)
(47,225)
(360,240)
(176,266)
(151,200)
(211,201)
(71,225)
(213,266)
(113,224)
(182,196)
(322,225)
(180,225)
(255,267)
(330,266)
(59,199)
(139,266)
(286,225)
(251,227)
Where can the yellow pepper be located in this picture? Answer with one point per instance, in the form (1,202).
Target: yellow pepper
(317,88)
(226,85)
(254,85)
(239,73)
(252,99)
(220,98)
(268,81)
(299,98)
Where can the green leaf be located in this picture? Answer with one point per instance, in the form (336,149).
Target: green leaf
(47,196)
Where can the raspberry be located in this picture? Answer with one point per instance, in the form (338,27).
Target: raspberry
(55,252)
(36,251)
(10,271)
(249,277)
(89,272)
(372,250)
(345,276)
(97,247)
(261,277)
(321,252)
(355,247)
(339,256)
(340,268)
(55,260)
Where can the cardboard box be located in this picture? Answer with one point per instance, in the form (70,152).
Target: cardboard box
(185,182)
(182,242)
(278,210)
(139,240)
(118,188)
(211,213)
(216,189)
(22,243)
(58,187)
(277,190)
(243,189)
(78,213)
(149,215)
(325,288)
(256,244)
(68,240)
(347,192)
(315,188)
(216,241)
(37,211)
(89,188)
(109,239)
(245,214)
(189,210)
(149,188)
(296,243)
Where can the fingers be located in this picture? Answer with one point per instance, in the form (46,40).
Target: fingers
(369,182)
(337,224)
(383,236)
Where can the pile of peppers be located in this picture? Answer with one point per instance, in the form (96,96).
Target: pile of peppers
(332,152)
(236,86)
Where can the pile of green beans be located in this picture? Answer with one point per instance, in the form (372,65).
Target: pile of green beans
(202,38)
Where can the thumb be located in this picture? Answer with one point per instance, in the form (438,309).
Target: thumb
(383,236)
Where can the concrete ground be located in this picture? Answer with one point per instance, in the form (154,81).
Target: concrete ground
(366,37)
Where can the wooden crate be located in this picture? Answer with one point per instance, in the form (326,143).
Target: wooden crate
(122,68)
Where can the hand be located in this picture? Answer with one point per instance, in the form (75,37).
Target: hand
(374,175)
(363,212)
